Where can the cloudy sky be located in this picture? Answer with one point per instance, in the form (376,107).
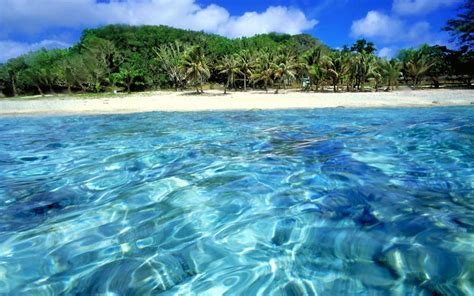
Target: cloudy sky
(27,25)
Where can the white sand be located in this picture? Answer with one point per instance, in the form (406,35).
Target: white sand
(215,100)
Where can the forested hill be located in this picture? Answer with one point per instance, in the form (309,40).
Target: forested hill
(126,56)
(137,58)
(144,39)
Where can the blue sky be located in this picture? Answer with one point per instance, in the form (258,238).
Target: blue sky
(27,25)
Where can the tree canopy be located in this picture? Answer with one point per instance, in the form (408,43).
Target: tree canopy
(462,27)
(137,58)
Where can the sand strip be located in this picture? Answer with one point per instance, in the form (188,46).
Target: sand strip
(215,100)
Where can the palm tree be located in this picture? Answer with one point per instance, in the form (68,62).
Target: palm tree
(247,64)
(229,65)
(313,67)
(363,66)
(195,67)
(316,76)
(282,72)
(352,70)
(285,67)
(264,70)
(390,71)
(416,66)
(375,73)
(335,66)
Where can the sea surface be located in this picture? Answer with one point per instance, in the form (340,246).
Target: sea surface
(295,202)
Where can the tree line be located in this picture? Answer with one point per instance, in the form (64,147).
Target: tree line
(137,58)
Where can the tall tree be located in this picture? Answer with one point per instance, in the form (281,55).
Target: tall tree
(437,56)
(66,76)
(195,67)
(352,72)
(101,58)
(129,73)
(3,79)
(12,72)
(43,69)
(462,27)
(362,45)
(247,64)
(170,59)
(391,72)
(74,73)
(284,70)
(264,70)
(229,65)
(335,68)
(313,66)
(415,65)
(364,66)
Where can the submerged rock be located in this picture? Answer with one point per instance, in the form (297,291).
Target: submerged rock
(282,231)
(346,244)
(296,288)
(372,275)
(418,264)
(134,276)
(32,210)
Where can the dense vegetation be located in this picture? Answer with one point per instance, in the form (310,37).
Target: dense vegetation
(140,58)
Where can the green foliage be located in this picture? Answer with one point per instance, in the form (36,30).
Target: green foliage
(390,71)
(229,65)
(195,67)
(416,64)
(12,78)
(461,65)
(247,62)
(462,27)
(362,66)
(335,67)
(170,58)
(264,69)
(312,66)
(439,66)
(136,58)
(362,45)
(42,69)
(284,68)
(130,73)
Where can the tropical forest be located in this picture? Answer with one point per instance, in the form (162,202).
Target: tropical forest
(122,58)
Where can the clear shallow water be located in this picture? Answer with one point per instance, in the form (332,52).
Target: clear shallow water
(334,202)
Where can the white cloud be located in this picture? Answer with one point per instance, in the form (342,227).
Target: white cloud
(10,49)
(389,29)
(386,52)
(33,17)
(376,25)
(274,19)
(38,18)
(415,7)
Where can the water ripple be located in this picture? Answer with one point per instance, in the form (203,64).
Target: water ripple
(314,202)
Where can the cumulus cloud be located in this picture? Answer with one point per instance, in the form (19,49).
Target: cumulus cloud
(274,19)
(386,52)
(376,24)
(416,7)
(38,18)
(34,17)
(391,29)
(10,49)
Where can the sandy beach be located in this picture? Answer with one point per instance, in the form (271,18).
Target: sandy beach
(216,100)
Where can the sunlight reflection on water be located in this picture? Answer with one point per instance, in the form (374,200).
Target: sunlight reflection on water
(307,202)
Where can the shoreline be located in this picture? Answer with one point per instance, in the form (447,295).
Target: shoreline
(215,100)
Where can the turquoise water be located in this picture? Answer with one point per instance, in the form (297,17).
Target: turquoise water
(329,202)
